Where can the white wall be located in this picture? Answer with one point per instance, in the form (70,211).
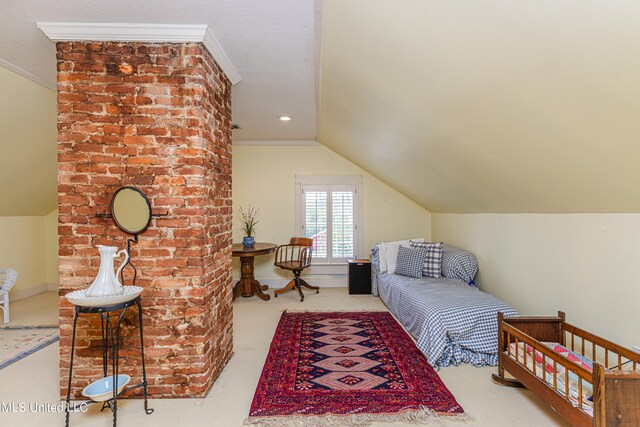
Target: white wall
(22,249)
(583,264)
(30,246)
(51,248)
(264,176)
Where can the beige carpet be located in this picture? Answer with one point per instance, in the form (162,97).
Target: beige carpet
(35,379)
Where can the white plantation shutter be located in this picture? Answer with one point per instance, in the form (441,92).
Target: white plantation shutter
(316,203)
(342,223)
(329,214)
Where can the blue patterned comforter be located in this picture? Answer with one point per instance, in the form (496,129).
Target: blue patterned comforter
(453,322)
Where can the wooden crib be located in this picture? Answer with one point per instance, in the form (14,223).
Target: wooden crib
(606,395)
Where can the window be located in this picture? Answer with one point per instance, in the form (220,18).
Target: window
(328,209)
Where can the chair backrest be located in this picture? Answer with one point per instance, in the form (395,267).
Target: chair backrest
(297,254)
(301,241)
(8,277)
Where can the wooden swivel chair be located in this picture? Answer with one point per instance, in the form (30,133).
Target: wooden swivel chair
(296,256)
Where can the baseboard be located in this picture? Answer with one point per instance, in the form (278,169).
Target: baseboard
(333,281)
(15,295)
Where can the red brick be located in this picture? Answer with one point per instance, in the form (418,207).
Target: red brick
(139,140)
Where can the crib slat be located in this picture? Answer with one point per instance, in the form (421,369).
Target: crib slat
(533,352)
(555,375)
(582,347)
(580,393)
(544,368)
(593,351)
(509,344)
(619,362)
(517,358)
(566,383)
(606,358)
(573,338)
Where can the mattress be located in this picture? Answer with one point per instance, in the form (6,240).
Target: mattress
(546,365)
(452,322)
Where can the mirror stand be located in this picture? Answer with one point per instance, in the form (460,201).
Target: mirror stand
(129,263)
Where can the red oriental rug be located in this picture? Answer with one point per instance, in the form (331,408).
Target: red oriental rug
(347,368)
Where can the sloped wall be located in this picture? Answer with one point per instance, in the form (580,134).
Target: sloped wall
(28,161)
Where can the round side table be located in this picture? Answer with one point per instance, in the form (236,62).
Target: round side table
(248,286)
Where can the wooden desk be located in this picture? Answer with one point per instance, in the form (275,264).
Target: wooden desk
(248,286)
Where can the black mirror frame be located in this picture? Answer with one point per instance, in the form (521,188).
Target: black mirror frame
(115,219)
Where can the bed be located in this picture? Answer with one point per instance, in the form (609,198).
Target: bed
(453,322)
(587,379)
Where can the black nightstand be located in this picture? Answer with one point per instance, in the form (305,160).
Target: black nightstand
(359,277)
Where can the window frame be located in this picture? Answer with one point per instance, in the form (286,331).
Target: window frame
(329,265)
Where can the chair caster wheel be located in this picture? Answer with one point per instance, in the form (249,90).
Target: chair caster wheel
(301,299)
(275,295)
(317,292)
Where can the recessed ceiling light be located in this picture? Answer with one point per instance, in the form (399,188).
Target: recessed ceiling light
(284,118)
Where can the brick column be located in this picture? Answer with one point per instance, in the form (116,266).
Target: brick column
(156,116)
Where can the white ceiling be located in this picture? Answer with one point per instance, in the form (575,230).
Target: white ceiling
(271,43)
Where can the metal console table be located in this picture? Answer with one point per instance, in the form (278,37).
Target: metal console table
(110,347)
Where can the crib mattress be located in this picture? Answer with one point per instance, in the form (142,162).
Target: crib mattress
(548,367)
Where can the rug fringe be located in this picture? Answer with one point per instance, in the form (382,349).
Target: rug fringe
(419,416)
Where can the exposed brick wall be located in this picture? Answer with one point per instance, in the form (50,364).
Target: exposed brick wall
(156,116)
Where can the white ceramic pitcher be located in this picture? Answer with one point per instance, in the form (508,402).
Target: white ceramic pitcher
(107,283)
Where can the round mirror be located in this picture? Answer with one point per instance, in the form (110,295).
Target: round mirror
(131,210)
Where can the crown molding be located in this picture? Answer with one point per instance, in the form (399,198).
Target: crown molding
(9,66)
(73,31)
(272,143)
(215,49)
(153,33)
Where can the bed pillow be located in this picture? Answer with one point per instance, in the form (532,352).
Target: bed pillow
(382,257)
(459,264)
(410,261)
(432,266)
(388,254)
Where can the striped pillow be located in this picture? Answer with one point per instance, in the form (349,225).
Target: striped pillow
(432,261)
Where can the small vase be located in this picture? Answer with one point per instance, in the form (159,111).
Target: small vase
(247,242)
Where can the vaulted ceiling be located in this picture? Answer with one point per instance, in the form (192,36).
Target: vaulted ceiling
(492,106)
